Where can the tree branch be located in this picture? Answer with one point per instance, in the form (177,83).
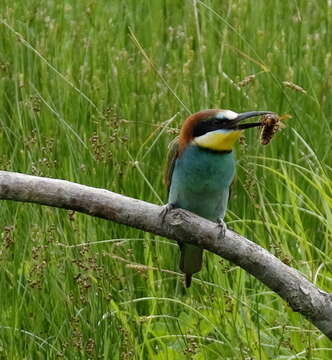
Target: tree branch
(301,294)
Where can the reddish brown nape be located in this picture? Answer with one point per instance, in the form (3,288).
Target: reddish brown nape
(187,128)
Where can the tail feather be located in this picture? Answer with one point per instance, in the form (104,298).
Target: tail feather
(191,261)
(187,279)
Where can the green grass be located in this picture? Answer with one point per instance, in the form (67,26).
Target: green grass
(93,91)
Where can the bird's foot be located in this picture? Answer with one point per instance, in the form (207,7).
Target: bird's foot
(165,210)
(222,227)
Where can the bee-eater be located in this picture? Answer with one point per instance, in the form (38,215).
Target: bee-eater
(201,168)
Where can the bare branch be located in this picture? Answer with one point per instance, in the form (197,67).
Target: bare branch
(301,294)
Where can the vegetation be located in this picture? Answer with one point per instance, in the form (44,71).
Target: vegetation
(93,91)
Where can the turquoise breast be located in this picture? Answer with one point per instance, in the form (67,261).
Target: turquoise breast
(201,180)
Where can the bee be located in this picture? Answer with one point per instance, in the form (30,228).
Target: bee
(271,124)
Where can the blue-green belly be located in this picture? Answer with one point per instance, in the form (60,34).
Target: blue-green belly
(201,181)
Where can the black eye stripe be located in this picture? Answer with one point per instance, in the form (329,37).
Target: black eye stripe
(206,126)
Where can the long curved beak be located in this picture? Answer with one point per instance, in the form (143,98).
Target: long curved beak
(235,123)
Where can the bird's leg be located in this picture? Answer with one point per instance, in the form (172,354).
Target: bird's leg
(166,209)
(222,227)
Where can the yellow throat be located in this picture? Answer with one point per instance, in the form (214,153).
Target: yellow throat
(218,140)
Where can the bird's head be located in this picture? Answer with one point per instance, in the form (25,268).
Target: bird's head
(216,129)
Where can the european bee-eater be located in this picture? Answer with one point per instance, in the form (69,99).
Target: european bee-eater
(201,168)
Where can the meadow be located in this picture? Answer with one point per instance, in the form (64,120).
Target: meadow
(92,92)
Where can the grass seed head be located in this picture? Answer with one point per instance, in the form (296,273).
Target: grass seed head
(293,86)
(247,80)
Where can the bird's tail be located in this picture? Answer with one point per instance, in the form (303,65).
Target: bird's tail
(191,261)
(187,279)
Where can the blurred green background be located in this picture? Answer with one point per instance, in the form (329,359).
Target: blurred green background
(92,92)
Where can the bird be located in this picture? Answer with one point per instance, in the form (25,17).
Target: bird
(200,170)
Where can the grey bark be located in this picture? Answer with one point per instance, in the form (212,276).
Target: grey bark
(302,295)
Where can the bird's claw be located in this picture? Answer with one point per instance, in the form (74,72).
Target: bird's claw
(165,210)
(222,227)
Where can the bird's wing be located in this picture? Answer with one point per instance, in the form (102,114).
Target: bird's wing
(173,149)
